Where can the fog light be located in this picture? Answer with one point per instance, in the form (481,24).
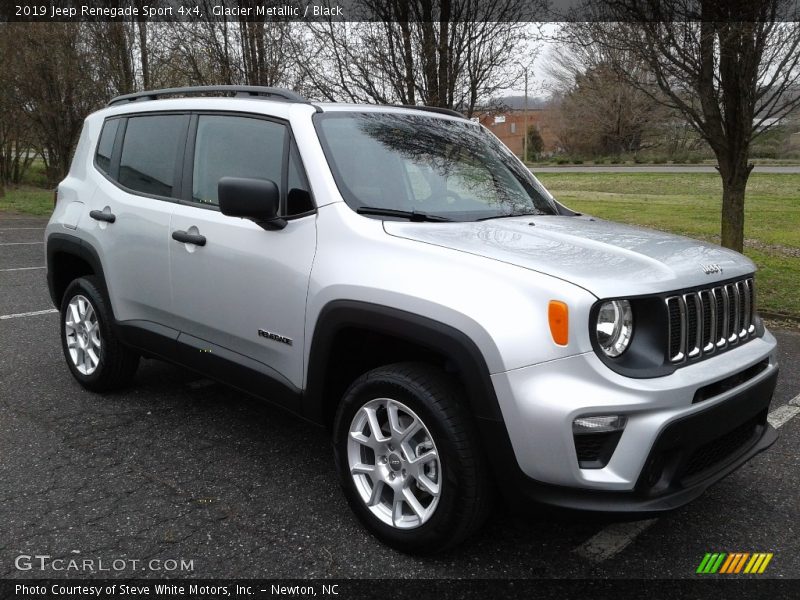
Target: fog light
(596,438)
(603,424)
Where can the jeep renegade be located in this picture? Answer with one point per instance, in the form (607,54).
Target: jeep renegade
(397,275)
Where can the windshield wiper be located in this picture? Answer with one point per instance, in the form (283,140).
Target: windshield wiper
(522,214)
(411,215)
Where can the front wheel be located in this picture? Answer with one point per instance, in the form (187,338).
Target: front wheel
(96,358)
(409,459)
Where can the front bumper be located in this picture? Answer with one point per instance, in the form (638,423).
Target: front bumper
(671,450)
(665,485)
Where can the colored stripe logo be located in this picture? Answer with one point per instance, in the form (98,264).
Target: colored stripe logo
(734,563)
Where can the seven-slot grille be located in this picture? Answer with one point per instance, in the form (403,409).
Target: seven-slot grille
(710,320)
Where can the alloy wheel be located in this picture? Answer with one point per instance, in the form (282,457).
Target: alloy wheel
(394,463)
(83,335)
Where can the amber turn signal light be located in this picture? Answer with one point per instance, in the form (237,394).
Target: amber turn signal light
(558,316)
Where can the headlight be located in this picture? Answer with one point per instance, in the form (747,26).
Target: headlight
(614,327)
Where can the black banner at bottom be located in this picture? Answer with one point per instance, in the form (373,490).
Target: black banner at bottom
(398,589)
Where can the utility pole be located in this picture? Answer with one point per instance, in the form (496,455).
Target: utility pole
(525,130)
(525,69)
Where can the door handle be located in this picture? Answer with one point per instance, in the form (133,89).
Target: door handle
(189,238)
(99,215)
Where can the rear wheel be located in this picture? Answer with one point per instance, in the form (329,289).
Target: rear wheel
(408,458)
(96,358)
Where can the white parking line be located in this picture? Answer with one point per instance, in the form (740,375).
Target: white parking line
(29,314)
(781,415)
(20,243)
(200,383)
(22,269)
(613,539)
(21,228)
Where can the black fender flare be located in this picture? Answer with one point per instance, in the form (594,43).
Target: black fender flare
(434,335)
(64,243)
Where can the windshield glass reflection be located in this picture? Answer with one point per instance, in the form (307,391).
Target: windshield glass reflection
(424,164)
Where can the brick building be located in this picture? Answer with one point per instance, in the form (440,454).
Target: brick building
(509,126)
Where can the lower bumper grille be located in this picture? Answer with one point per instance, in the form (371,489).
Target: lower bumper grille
(724,447)
(703,444)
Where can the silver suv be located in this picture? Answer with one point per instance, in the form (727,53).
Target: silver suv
(395,274)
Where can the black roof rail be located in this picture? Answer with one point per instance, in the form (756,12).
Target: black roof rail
(238,90)
(435,109)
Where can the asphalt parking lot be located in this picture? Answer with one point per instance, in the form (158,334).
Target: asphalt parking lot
(178,467)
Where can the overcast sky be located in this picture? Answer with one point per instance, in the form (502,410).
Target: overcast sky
(538,81)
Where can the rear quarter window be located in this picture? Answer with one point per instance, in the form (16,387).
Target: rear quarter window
(105,145)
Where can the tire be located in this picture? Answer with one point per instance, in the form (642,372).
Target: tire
(451,487)
(95,356)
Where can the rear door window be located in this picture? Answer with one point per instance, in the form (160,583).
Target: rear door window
(150,154)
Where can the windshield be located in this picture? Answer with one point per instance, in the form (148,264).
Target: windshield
(423,164)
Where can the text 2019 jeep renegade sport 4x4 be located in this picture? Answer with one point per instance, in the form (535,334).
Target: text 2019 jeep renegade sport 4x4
(398,275)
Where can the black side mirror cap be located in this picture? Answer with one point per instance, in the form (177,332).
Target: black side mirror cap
(251,198)
(298,201)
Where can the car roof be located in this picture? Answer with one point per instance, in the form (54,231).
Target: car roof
(277,100)
(406,109)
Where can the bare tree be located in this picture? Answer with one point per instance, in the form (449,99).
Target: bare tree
(112,55)
(355,62)
(198,53)
(602,116)
(731,68)
(451,53)
(16,142)
(55,85)
(218,50)
(263,47)
(600,111)
(120,52)
(447,53)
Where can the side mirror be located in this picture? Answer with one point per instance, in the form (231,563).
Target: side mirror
(250,198)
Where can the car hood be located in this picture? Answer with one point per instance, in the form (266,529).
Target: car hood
(606,258)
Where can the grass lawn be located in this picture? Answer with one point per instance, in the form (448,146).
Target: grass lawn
(689,204)
(27,200)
